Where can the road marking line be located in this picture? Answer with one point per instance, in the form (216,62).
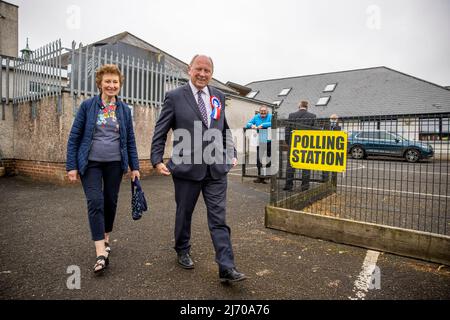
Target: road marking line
(398,191)
(358,167)
(363,282)
(412,171)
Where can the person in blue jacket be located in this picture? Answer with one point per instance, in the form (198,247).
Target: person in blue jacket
(100,149)
(262,121)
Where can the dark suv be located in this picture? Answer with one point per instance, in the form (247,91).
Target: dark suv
(383,143)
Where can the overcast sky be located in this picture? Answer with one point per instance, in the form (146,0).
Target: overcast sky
(252,40)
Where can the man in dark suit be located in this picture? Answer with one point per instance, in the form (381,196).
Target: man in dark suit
(299,120)
(203,154)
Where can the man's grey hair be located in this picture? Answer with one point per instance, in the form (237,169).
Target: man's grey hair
(201,55)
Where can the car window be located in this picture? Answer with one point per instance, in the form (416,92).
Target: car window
(387,136)
(370,135)
(365,135)
(362,135)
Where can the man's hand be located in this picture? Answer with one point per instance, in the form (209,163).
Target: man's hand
(72,174)
(135,174)
(253,126)
(260,126)
(235,162)
(162,169)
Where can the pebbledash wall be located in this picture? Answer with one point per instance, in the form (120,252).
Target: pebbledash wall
(34,144)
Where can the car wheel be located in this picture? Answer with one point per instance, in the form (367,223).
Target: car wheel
(357,152)
(412,155)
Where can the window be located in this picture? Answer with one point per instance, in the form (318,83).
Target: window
(398,137)
(323,101)
(445,135)
(39,87)
(446,125)
(277,102)
(387,136)
(252,94)
(369,135)
(389,125)
(429,125)
(330,87)
(434,129)
(284,92)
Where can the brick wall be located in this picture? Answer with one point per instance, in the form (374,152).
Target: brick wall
(38,144)
(145,167)
(55,172)
(41,170)
(38,141)
(10,166)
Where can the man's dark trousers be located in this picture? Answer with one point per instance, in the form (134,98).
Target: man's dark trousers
(290,172)
(214,195)
(265,149)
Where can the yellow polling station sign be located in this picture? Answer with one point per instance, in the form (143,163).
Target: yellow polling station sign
(319,150)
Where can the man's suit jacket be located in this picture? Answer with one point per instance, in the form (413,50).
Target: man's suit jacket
(180,111)
(300,119)
(327,126)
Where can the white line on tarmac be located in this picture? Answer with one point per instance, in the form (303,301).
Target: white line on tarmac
(363,282)
(415,171)
(398,191)
(358,167)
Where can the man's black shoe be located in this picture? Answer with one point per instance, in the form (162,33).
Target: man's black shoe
(231,275)
(287,188)
(258,180)
(185,261)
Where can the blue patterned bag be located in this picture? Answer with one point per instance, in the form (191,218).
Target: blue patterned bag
(138,201)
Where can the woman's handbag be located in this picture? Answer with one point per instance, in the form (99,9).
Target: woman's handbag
(138,202)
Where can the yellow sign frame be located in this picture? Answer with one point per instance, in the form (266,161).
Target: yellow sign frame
(319,150)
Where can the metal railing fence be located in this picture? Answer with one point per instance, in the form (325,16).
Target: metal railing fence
(397,172)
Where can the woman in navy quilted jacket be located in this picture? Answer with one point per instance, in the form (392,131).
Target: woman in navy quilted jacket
(100,149)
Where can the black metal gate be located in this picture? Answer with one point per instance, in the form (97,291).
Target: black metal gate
(397,172)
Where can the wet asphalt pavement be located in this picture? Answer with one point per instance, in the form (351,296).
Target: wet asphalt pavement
(44,230)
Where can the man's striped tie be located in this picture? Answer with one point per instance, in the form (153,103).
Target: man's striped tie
(202,107)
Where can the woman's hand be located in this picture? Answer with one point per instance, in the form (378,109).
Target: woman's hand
(72,174)
(135,174)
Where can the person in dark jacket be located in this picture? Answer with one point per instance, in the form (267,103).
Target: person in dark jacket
(299,120)
(100,149)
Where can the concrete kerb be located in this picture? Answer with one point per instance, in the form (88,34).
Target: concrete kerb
(410,243)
